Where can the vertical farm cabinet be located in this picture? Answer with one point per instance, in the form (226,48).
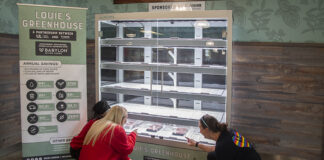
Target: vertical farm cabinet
(168,70)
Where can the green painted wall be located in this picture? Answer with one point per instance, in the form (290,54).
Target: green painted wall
(254,20)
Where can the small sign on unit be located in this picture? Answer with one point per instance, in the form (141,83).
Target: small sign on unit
(177,6)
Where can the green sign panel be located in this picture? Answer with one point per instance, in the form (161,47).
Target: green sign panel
(45,118)
(46,107)
(72,106)
(73,117)
(48,129)
(73,95)
(45,84)
(72,84)
(44,95)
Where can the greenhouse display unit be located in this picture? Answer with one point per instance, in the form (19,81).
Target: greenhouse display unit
(168,70)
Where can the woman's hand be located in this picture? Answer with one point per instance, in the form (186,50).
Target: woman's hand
(207,148)
(135,131)
(191,142)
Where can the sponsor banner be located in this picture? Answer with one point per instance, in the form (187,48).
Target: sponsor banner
(53,49)
(53,85)
(177,6)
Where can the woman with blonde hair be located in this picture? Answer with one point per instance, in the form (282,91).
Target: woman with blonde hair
(107,140)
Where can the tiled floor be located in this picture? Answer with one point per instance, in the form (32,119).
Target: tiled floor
(278,157)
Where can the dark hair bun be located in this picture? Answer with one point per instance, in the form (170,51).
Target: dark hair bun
(101,107)
(222,127)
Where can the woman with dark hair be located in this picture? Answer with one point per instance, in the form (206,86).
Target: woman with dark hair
(230,145)
(99,109)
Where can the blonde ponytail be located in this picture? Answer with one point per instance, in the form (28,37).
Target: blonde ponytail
(109,122)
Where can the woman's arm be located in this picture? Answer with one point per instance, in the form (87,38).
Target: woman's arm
(203,147)
(121,142)
(77,141)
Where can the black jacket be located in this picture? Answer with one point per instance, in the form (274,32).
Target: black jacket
(229,146)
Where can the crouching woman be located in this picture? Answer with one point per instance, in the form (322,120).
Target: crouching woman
(230,145)
(107,140)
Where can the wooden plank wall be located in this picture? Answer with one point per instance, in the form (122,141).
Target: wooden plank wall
(278,97)
(91,83)
(10,135)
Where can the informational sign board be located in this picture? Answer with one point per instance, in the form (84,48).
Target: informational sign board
(53,90)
